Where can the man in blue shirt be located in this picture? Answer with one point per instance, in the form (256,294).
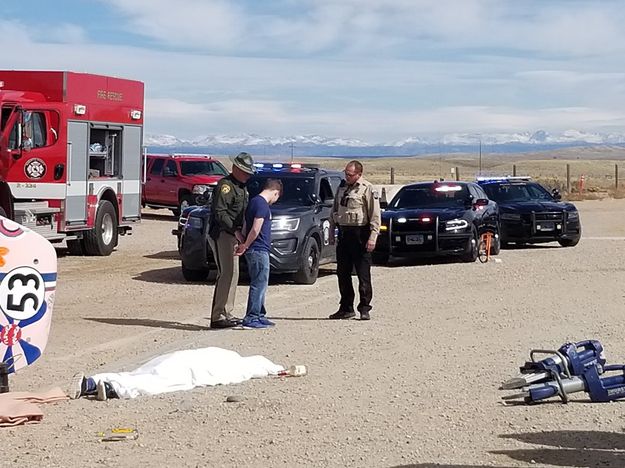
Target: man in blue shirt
(256,248)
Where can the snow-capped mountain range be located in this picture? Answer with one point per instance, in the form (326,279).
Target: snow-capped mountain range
(324,146)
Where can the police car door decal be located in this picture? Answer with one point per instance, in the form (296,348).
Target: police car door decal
(325,226)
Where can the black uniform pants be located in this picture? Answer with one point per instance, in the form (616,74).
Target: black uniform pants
(351,253)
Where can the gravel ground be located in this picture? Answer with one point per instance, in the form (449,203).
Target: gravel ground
(415,386)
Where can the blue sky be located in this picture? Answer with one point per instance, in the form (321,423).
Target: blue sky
(377,70)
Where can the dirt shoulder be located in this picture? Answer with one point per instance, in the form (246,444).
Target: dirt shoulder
(415,386)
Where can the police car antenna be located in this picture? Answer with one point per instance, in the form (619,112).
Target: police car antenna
(480,155)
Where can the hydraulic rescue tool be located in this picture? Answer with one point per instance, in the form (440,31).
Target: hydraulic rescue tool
(574,367)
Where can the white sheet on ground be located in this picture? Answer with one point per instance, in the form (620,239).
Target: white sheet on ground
(184,370)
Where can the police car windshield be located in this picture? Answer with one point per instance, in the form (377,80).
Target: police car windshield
(431,196)
(296,191)
(190,168)
(516,192)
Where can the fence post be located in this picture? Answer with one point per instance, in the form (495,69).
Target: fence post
(457,174)
(514,170)
(616,176)
(568,178)
(392,175)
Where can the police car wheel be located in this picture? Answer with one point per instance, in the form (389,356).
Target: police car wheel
(102,239)
(471,251)
(568,242)
(380,258)
(194,275)
(495,247)
(309,263)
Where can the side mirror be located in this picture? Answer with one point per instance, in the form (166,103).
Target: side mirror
(481,202)
(314,198)
(383,204)
(555,193)
(205,198)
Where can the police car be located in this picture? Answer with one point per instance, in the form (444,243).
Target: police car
(437,218)
(529,213)
(300,225)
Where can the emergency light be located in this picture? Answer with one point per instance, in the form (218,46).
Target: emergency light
(280,166)
(448,188)
(502,178)
(80,109)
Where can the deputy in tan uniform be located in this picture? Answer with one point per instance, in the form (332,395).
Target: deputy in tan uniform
(356,213)
(228,205)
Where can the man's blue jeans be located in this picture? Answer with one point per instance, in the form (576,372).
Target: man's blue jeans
(258,269)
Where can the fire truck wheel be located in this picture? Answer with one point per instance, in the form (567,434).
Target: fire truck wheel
(74,247)
(102,239)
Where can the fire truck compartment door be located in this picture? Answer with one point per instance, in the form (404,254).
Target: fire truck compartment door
(131,168)
(77,157)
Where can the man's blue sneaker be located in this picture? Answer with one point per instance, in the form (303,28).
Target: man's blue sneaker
(253,325)
(266,321)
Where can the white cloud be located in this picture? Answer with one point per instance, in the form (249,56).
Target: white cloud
(193,24)
(306,73)
(64,33)
(395,27)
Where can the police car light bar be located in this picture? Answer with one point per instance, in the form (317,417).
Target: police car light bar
(495,178)
(287,166)
(448,188)
(190,155)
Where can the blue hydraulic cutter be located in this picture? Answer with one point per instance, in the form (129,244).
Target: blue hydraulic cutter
(574,367)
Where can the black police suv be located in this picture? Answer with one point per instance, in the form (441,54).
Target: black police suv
(300,225)
(529,213)
(437,218)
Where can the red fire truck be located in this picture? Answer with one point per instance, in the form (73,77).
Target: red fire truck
(70,156)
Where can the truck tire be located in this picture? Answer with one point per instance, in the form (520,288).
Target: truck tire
(75,247)
(309,263)
(102,239)
(194,275)
(185,201)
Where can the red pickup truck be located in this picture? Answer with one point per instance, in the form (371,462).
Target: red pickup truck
(175,181)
